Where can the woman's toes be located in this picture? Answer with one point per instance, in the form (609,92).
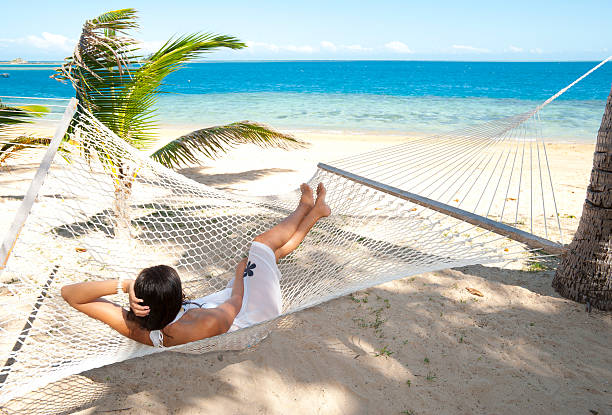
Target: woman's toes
(307,196)
(321,190)
(321,206)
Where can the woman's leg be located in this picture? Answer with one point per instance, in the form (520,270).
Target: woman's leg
(320,210)
(281,233)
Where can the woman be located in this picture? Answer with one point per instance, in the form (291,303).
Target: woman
(159,316)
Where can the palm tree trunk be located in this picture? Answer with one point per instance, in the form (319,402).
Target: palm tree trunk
(123,194)
(585,272)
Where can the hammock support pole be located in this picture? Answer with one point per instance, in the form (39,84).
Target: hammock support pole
(35,185)
(518,235)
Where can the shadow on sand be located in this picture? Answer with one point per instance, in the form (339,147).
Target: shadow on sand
(385,350)
(199,175)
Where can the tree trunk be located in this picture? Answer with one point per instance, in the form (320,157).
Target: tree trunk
(123,194)
(585,272)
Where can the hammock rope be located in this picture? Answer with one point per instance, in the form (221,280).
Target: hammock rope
(102,209)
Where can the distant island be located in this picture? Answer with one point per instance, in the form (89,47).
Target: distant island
(18,61)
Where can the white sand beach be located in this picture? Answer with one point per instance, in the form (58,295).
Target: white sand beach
(419,345)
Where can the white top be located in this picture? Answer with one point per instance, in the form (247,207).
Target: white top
(261,300)
(210,301)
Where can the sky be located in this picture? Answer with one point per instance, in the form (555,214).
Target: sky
(534,30)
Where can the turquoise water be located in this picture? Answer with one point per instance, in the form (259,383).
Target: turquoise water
(393,97)
(566,120)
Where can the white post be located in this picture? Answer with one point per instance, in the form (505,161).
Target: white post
(35,185)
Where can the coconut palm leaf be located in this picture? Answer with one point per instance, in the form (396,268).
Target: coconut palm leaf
(100,49)
(140,96)
(102,65)
(20,114)
(213,141)
(12,116)
(14,147)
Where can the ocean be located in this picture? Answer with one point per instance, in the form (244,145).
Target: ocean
(393,97)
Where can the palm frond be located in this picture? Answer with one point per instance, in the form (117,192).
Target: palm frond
(116,21)
(19,144)
(102,59)
(203,42)
(140,97)
(20,114)
(214,141)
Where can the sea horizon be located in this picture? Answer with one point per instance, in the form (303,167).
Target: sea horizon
(32,62)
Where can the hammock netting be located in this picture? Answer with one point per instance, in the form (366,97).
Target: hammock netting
(105,209)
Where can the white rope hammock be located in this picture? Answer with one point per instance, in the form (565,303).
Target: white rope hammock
(98,209)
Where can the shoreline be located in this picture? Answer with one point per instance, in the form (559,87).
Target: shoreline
(168,130)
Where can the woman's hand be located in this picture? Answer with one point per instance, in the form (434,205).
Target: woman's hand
(138,309)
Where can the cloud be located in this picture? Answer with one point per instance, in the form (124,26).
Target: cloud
(324,46)
(50,41)
(303,49)
(327,45)
(470,49)
(515,49)
(46,40)
(398,47)
(537,51)
(271,47)
(356,48)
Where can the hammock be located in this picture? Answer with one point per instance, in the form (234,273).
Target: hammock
(98,208)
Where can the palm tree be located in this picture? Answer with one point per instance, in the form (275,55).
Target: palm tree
(119,87)
(585,272)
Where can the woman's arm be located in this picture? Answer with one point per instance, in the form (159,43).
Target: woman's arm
(224,315)
(86,292)
(87,298)
(232,306)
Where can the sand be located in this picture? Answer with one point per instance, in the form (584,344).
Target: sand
(420,345)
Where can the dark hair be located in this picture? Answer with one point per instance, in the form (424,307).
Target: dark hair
(160,288)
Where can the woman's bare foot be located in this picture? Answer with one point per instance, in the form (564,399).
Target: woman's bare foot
(320,206)
(307,198)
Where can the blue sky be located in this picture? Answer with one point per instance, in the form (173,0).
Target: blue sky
(295,30)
